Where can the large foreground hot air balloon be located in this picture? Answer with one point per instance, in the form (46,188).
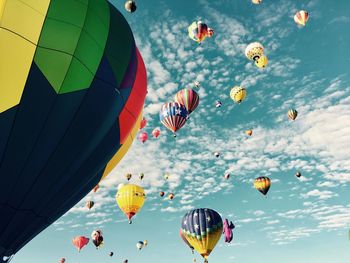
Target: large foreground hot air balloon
(202,229)
(188,98)
(262,184)
(72,88)
(130,199)
(173,116)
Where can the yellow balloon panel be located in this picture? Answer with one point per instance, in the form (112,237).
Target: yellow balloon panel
(130,199)
(205,245)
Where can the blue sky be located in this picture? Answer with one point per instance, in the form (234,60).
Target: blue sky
(302,221)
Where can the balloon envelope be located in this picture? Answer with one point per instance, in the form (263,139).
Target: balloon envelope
(80,241)
(262,184)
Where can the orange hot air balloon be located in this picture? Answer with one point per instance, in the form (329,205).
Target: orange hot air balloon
(156,133)
(143,123)
(80,241)
(143,137)
(96,188)
(249,132)
(161,193)
(90,204)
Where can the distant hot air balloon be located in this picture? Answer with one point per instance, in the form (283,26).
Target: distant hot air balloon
(202,229)
(173,116)
(125,261)
(197,84)
(111,254)
(80,241)
(96,188)
(262,184)
(139,245)
(185,241)
(143,137)
(128,176)
(198,31)
(143,123)
(227,176)
(166,176)
(301,17)
(97,238)
(249,132)
(218,104)
(256,2)
(238,94)
(188,98)
(217,154)
(141,175)
(89,204)
(298,174)
(228,227)
(254,51)
(145,243)
(161,193)
(156,133)
(130,199)
(62,260)
(130,6)
(292,114)
(262,62)
(171,196)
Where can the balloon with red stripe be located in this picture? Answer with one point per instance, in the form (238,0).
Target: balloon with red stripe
(173,116)
(188,98)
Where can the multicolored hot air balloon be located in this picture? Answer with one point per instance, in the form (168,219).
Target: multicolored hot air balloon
(143,123)
(173,116)
(89,204)
(156,133)
(130,199)
(188,98)
(72,88)
(292,114)
(186,242)
(262,184)
(97,238)
(198,31)
(238,94)
(143,137)
(202,229)
(228,227)
(301,17)
(80,241)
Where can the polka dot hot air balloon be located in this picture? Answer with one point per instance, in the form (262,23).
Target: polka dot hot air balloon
(238,94)
(72,90)
(202,228)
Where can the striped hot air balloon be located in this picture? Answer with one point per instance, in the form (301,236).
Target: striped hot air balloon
(301,17)
(292,114)
(262,184)
(188,98)
(173,116)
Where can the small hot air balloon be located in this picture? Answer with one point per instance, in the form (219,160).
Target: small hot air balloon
(227,176)
(89,204)
(139,245)
(256,2)
(217,154)
(141,175)
(197,84)
(166,176)
(96,188)
(301,18)
(125,261)
(198,31)
(186,242)
(130,6)
(143,137)
(111,254)
(171,196)
(173,116)
(62,260)
(218,104)
(292,114)
(130,199)
(262,62)
(262,184)
(143,123)
(80,241)
(156,133)
(238,94)
(188,98)
(202,228)
(97,238)
(249,132)
(128,176)
(254,51)
(161,193)
(228,227)
(298,174)
(145,243)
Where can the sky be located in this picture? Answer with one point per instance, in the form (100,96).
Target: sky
(302,220)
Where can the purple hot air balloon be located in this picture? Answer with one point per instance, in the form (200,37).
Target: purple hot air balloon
(228,227)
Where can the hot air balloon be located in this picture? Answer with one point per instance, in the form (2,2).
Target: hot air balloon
(141,175)
(292,114)
(111,254)
(79,242)
(188,98)
(254,51)
(128,176)
(97,238)
(143,123)
(217,154)
(161,193)
(171,196)
(186,242)
(96,188)
(218,104)
(145,243)
(143,137)
(62,260)
(228,227)
(139,245)
(202,229)
(301,17)
(173,116)
(198,31)
(156,133)
(227,176)
(125,261)
(130,199)
(72,88)
(262,62)
(262,184)
(130,6)
(238,94)
(89,204)
(256,2)
(197,84)
(298,174)
(166,176)
(249,132)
